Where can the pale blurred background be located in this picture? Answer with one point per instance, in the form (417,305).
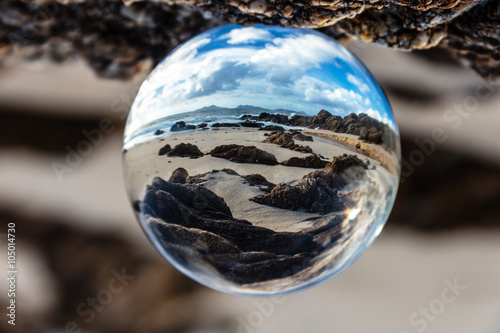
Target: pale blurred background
(74,235)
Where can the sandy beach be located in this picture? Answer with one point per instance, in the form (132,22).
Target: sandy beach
(144,163)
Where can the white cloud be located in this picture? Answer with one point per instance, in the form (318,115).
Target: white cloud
(297,54)
(340,98)
(247,35)
(363,87)
(376,115)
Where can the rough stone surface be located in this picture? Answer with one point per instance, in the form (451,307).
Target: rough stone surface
(311,161)
(285,140)
(181,126)
(185,150)
(179,176)
(192,222)
(244,154)
(340,171)
(310,194)
(164,150)
(119,40)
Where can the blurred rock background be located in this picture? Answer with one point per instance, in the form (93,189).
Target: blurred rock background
(76,232)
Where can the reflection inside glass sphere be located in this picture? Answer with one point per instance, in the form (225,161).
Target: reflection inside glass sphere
(261,160)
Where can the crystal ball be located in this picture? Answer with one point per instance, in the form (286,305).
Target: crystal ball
(261,160)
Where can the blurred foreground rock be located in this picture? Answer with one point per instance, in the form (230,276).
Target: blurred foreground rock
(119,39)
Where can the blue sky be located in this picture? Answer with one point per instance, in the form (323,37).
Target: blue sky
(269,67)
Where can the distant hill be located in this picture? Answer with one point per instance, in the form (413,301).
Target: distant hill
(241,109)
(218,111)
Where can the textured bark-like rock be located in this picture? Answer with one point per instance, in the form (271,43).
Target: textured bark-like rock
(120,40)
(244,154)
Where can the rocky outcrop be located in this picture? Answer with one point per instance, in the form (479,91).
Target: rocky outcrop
(296,135)
(259,181)
(253,179)
(252,124)
(272,128)
(143,33)
(367,128)
(185,150)
(274,118)
(310,194)
(192,222)
(340,171)
(159,132)
(181,126)
(164,150)
(225,125)
(179,176)
(285,140)
(244,154)
(311,161)
(317,191)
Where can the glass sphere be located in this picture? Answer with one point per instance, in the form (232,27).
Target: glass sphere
(261,160)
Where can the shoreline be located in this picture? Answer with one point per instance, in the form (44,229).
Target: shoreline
(365,149)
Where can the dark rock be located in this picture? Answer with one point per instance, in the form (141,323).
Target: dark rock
(349,119)
(269,269)
(326,230)
(343,162)
(200,178)
(334,123)
(274,118)
(310,194)
(164,150)
(285,140)
(244,154)
(368,129)
(197,207)
(225,261)
(225,125)
(247,117)
(194,239)
(272,128)
(311,161)
(324,114)
(181,126)
(143,32)
(179,176)
(301,137)
(159,132)
(186,150)
(251,124)
(340,171)
(260,181)
(192,221)
(136,205)
(175,203)
(202,125)
(301,121)
(363,134)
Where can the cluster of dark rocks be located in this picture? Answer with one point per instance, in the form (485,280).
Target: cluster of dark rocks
(243,154)
(312,161)
(181,150)
(193,223)
(317,191)
(285,140)
(181,126)
(367,128)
